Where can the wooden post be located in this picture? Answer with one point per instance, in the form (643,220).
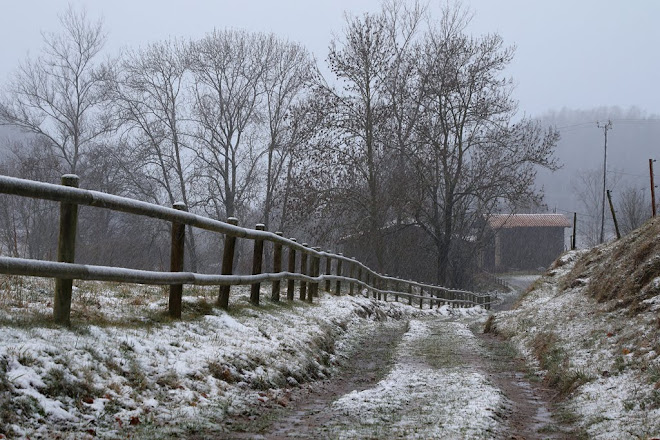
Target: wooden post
(384,285)
(359,277)
(574,231)
(421,299)
(66,251)
(227,265)
(488,301)
(257,260)
(410,290)
(292,268)
(315,269)
(303,271)
(277,267)
(616,223)
(652,187)
(397,287)
(339,268)
(328,268)
(176,262)
(351,285)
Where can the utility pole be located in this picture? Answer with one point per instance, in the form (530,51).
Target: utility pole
(605,128)
(652,187)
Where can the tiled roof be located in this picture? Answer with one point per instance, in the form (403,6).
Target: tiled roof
(497,221)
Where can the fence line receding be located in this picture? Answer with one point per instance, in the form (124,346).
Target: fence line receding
(357,276)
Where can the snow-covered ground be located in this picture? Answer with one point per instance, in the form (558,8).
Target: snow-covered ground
(606,361)
(124,369)
(438,397)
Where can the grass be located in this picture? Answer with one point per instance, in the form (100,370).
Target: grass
(60,383)
(624,273)
(555,361)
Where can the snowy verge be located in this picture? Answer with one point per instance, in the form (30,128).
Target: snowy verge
(605,362)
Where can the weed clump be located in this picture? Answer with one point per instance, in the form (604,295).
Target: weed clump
(555,361)
(59,383)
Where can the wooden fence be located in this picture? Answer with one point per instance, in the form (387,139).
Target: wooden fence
(303,264)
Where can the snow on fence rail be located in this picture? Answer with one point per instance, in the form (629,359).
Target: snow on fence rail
(65,270)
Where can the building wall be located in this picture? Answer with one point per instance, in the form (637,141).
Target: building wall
(527,248)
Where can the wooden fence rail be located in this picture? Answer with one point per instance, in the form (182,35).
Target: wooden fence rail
(309,276)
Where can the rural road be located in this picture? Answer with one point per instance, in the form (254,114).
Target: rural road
(519,283)
(424,378)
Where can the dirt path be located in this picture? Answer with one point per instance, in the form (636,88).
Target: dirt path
(531,412)
(307,409)
(450,370)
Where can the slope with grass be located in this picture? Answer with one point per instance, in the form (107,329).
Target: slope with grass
(591,327)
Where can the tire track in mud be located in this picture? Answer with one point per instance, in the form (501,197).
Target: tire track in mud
(531,409)
(308,410)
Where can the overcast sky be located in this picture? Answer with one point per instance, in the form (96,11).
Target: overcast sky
(576,54)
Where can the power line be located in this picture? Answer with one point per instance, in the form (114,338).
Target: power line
(573,127)
(627,174)
(582,214)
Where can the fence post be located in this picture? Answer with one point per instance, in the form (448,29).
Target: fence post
(257,260)
(303,271)
(410,291)
(359,277)
(315,270)
(378,283)
(176,262)
(421,298)
(351,274)
(328,269)
(384,285)
(339,268)
(277,267)
(66,249)
(292,268)
(227,265)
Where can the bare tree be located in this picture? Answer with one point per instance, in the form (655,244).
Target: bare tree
(470,156)
(228,69)
(29,226)
(588,187)
(60,94)
(150,103)
(290,69)
(354,148)
(633,209)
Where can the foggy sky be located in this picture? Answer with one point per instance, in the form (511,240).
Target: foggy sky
(572,54)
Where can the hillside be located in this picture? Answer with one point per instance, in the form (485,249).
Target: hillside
(591,327)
